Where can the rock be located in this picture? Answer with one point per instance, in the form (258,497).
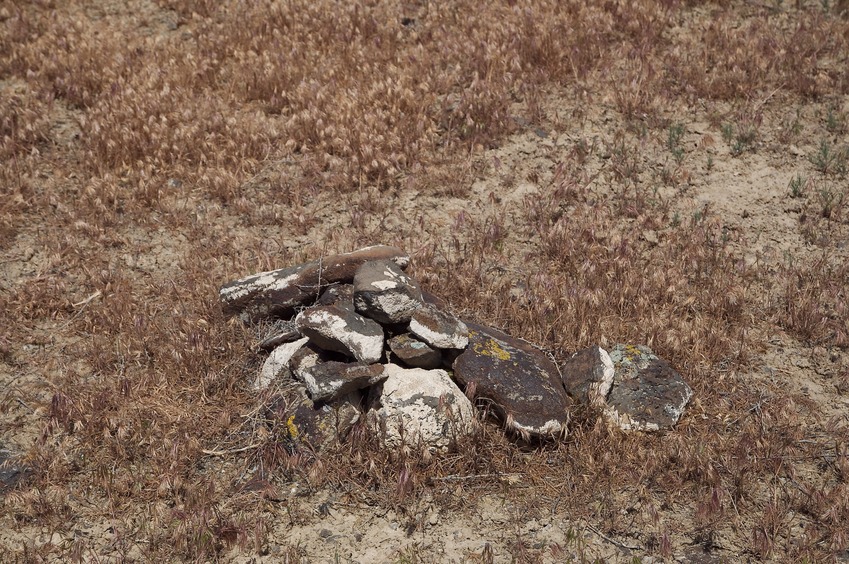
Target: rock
(308,356)
(277,364)
(338,294)
(311,427)
(329,380)
(414,353)
(384,293)
(278,293)
(588,376)
(284,333)
(11,471)
(416,407)
(647,393)
(338,329)
(439,329)
(521,383)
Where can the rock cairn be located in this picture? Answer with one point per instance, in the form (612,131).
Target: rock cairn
(363,341)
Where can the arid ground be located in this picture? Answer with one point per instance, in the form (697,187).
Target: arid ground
(647,171)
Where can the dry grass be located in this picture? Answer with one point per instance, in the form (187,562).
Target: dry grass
(153,151)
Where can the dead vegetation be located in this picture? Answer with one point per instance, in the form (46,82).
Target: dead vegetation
(153,151)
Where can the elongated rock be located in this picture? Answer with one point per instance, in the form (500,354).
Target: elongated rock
(330,380)
(439,329)
(414,353)
(278,293)
(384,293)
(647,393)
(338,329)
(518,380)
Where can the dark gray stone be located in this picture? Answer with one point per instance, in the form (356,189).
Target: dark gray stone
(304,425)
(588,376)
(518,380)
(329,380)
(339,329)
(338,294)
(308,356)
(279,337)
(278,293)
(384,293)
(415,353)
(647,394)
(439,329)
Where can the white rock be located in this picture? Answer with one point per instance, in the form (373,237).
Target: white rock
(277,363)
(417,407)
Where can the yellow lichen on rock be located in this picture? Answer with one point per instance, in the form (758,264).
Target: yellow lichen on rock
(293,429)
(491,348)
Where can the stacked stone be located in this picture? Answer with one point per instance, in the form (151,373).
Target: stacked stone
(355,331)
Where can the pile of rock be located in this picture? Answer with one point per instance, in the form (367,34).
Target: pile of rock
(360,336)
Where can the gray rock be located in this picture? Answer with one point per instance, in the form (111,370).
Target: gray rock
(284,334)
(439,329)
(384,293)
(519,381)
(277,364)
(647,393)
(415,353)
(420,408)
(338,329)
(588,376)
(308,356)
(329,380)
(278,293)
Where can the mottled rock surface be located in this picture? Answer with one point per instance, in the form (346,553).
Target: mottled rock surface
(339,329)
(415,353)
(315,427)
(647,393)
(439,329)
(416,407)
(338,294)
(329,380)
(277,364)
(588,376)
(384,293)
(308,356)
(521,383)
(278,293)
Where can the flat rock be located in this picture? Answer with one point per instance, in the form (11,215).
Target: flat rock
(278,293)
(384,293)
(647,393)
(518,380)
(339,329)
(338,294)
(588,376)
(419,408)
(415,353)
(439,329)
(316,428)
(329,380)
(284,333)
(277,364)
(308,356)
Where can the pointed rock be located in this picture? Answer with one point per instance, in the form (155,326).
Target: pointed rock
(416,407)
(414,353)
(329,380)
(338,329)
(277,364)
(588,376)
(384,293)
(517,379)
(278,293)
(439,329)
(647,393)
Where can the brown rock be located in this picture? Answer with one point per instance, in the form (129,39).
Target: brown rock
(384,293)
(311,427)
(439,329)
(278,293)
(517,379)
(414,353)
(588,375)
